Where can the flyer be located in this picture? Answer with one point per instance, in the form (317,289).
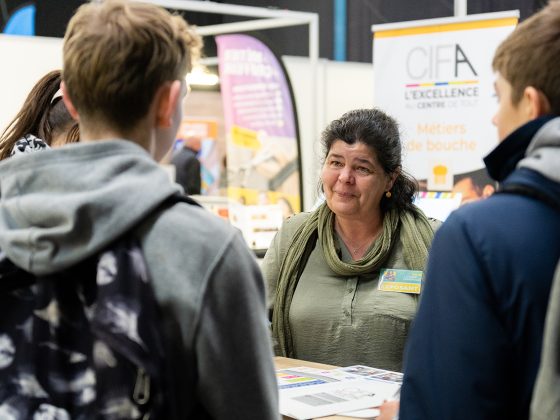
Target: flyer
(307,393)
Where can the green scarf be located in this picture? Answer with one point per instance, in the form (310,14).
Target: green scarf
(416,235)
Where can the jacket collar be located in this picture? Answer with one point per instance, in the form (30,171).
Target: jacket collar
(501,161)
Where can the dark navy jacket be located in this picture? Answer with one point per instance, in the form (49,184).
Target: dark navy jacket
(475,345)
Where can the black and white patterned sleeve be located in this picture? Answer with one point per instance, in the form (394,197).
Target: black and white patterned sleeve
(28,144)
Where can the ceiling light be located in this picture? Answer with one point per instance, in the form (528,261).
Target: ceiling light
(200,76)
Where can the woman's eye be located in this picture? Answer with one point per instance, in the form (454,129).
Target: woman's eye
(336,163)
(363,170)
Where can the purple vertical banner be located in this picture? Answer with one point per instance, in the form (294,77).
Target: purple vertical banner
(261,124)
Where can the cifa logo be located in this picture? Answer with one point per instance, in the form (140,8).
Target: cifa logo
(438,62)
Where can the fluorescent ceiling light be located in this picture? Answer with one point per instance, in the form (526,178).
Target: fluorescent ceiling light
(200,76)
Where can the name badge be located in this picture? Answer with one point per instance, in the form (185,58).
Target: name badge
(403,281)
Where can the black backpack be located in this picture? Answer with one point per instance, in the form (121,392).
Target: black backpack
(85,342)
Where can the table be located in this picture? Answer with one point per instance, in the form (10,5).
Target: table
(286,363)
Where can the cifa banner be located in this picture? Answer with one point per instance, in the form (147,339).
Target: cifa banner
(435,77)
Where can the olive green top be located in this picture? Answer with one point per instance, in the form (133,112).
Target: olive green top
(343,320)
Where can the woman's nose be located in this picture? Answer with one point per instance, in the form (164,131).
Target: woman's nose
(346,175)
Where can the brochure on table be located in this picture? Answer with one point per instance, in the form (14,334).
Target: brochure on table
(307,393)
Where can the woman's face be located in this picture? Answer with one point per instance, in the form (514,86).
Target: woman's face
(353,180)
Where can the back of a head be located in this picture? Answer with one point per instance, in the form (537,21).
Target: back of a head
(43,114)
(529,56)
(118,53)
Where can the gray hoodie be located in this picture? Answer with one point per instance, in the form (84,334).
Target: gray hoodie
(60,206)
(543,153)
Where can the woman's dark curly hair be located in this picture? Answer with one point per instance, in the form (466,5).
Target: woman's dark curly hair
(380,132)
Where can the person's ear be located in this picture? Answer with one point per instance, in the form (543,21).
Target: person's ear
(392,178)
(168,96)
(536,103)
(68,102)
(488,190)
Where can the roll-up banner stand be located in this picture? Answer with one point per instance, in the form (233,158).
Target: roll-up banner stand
(262,143)
(261,124)
(435,77)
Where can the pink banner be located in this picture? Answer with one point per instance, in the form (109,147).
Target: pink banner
(260,120)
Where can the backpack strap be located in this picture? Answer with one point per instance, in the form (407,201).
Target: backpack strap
(12,277)
(177,198)
(522,189)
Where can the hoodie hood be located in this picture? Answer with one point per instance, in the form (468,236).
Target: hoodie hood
(60,206)
(543,153)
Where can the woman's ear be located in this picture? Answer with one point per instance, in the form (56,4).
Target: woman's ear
(68,102)
(168,97)
(392,178)
(536,102)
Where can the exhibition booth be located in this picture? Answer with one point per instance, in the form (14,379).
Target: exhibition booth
(259,124)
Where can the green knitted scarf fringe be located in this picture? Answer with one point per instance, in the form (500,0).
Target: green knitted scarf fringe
(416,235)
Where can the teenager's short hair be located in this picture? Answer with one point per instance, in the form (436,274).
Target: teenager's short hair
(117,53)
(529,56)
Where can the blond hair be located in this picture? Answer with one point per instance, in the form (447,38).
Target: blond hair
(117,53)
(529,56)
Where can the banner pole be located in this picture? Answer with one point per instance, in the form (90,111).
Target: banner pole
(460,7)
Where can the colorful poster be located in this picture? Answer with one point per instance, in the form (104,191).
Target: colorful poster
(262,137)
(438,204)
(435,77)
